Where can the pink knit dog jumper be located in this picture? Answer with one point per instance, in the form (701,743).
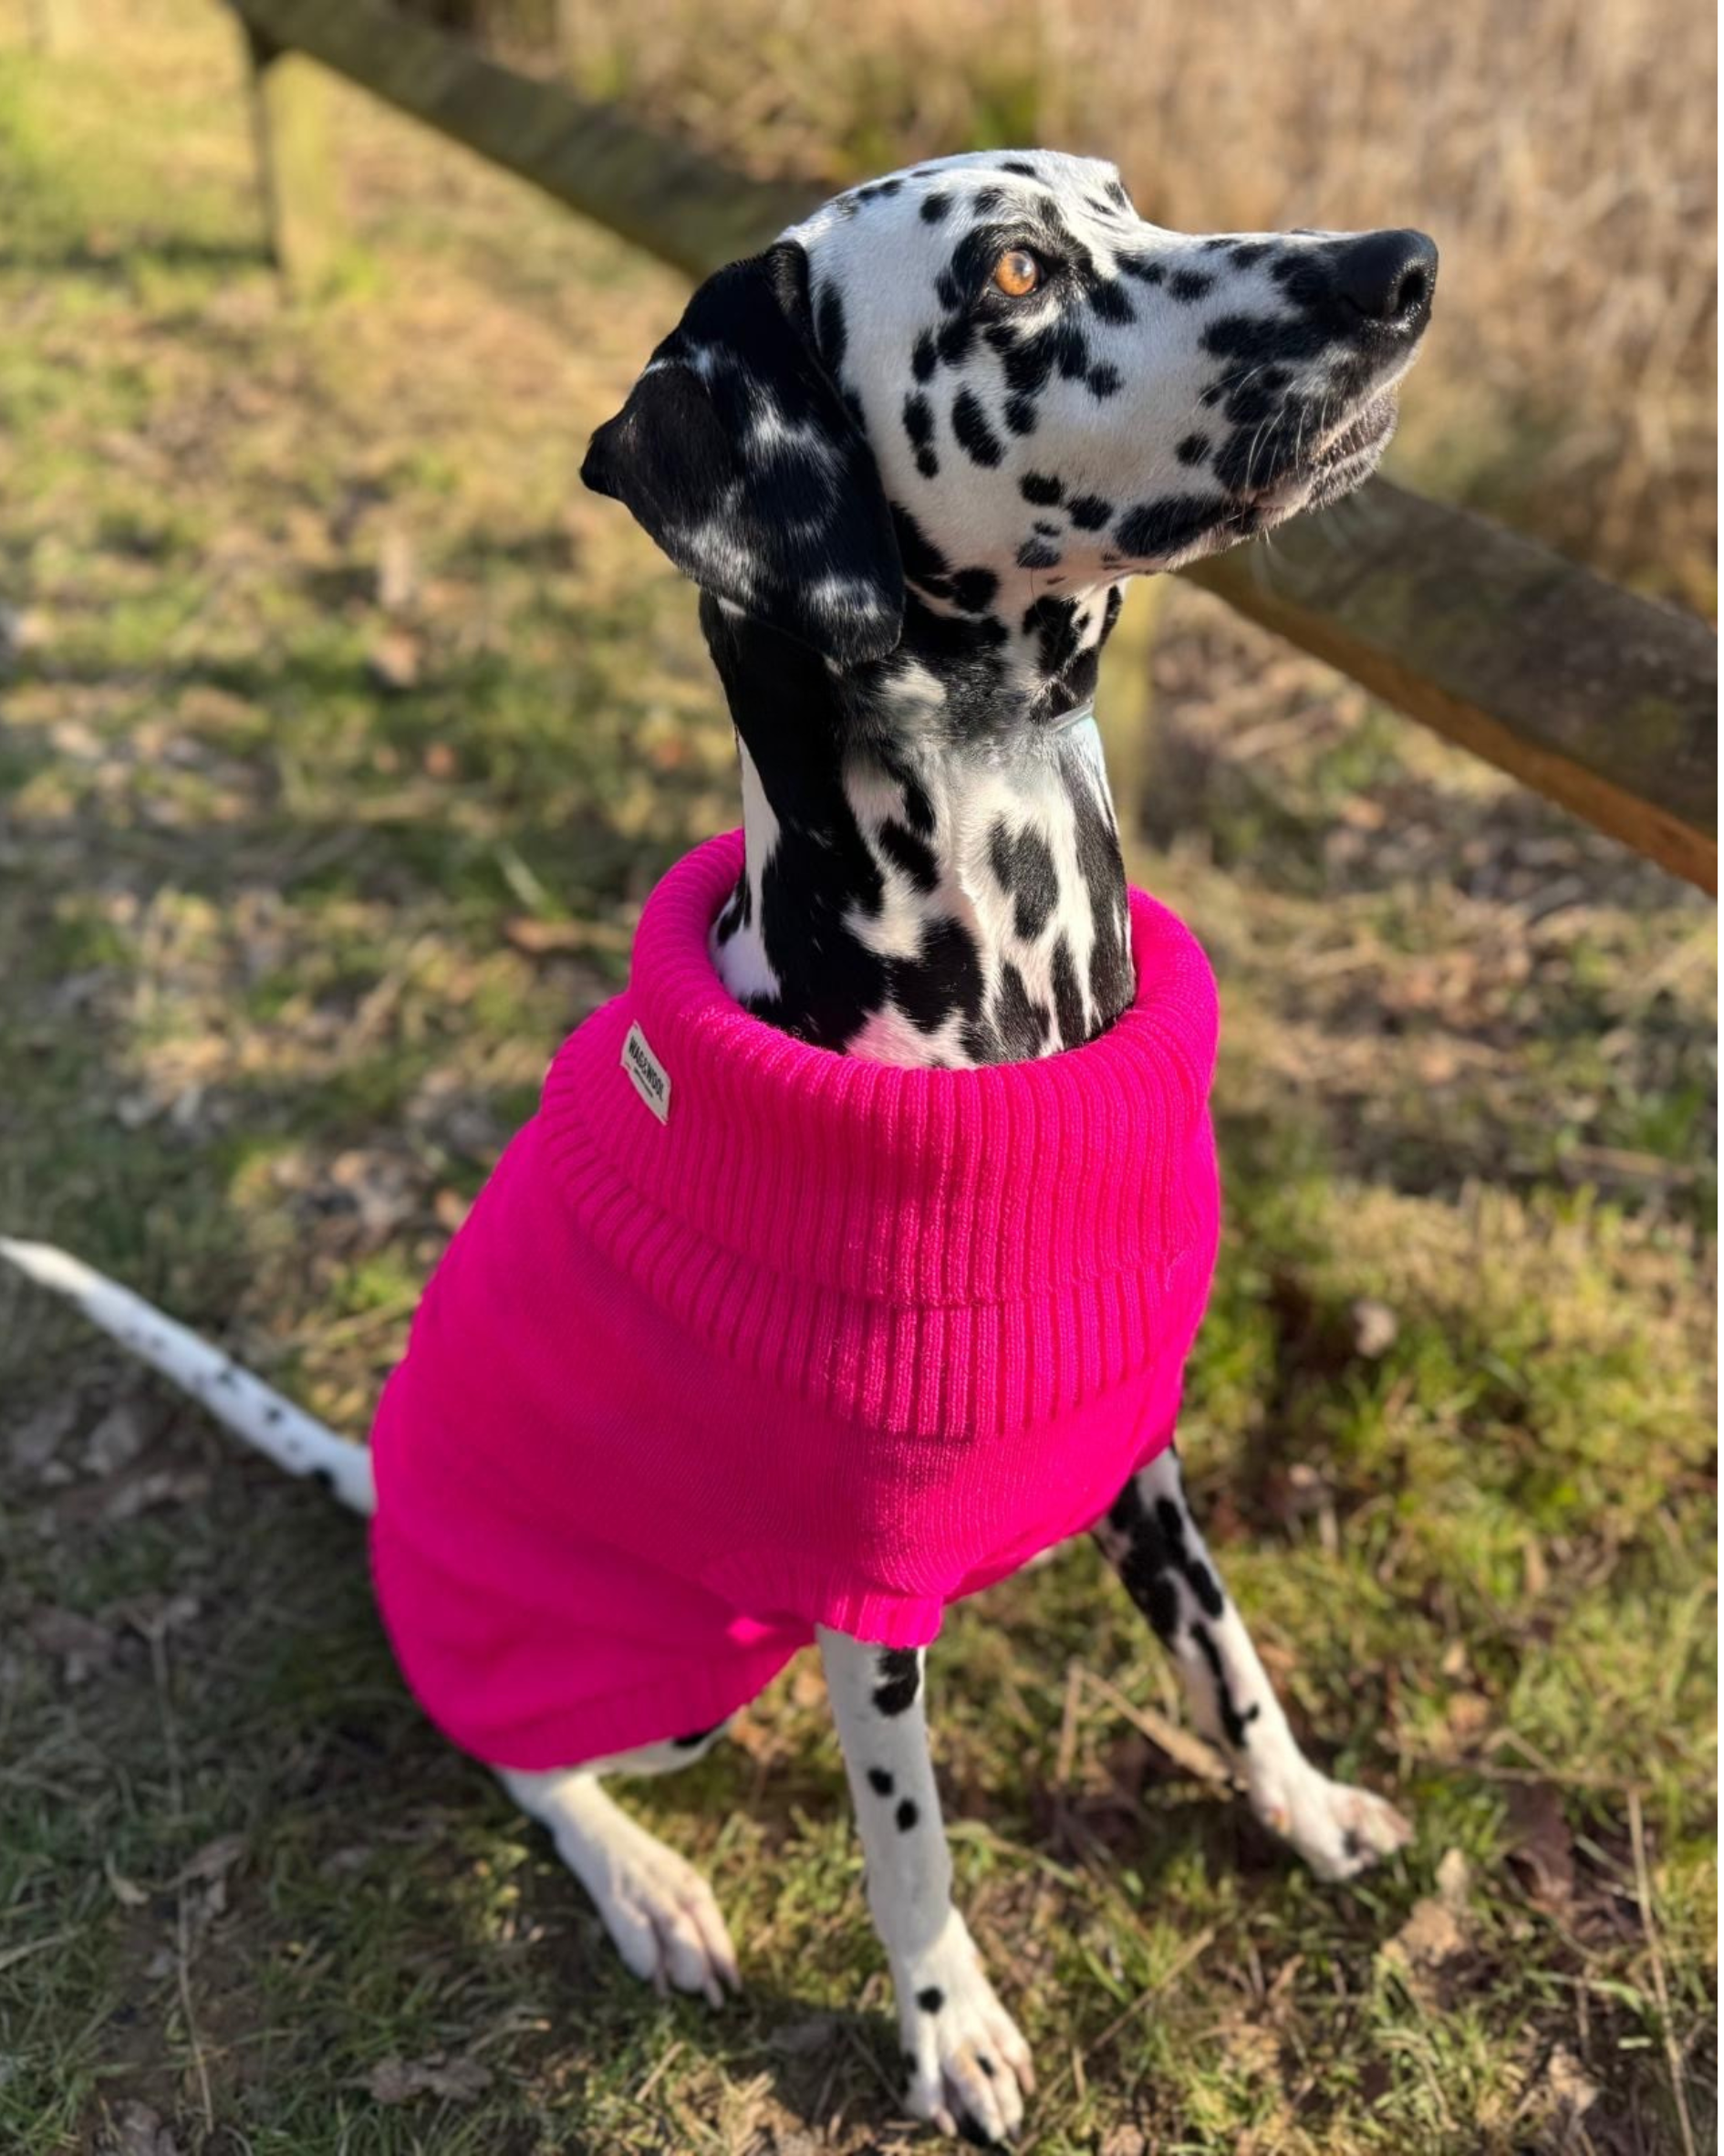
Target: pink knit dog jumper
(744,1337)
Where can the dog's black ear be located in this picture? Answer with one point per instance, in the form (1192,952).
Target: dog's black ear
(739,455)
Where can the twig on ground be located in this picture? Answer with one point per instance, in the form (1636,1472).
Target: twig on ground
(659,2071)
(11,1956)
(1184,1749)
(157,1638)
(865,2052)
(1064,1756)
(1643,1888)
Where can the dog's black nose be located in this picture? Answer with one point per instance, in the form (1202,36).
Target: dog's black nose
(1387,277)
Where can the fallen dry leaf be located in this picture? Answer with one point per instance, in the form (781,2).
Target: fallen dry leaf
(381,1187)
(154,1617)
(342,1863)
(125,1891)
(22,629)
(133,1109)
(1541,1848)
(1454,1878)
(34,1445)
(136,2131)
(1435,1933)
(116,1440)
(393,661)
(203,1880)
(214,1860)
(796,2039)
(527,933)
(80,1644)
(807,1686)
(1430,1936)
(397,570)
(1469,1715)
(163,1485)
(399,2081)
(1575,2094)
(1375,1328)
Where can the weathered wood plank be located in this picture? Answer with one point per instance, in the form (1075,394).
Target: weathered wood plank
(296,163)
(1597,699)
(662,196)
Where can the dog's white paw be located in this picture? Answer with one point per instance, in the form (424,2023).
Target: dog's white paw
(658,1909)
(969,2068)
(1339,1830)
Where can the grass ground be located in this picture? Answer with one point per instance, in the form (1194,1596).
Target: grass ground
(341,736)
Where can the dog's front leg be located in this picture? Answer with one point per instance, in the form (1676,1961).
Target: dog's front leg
(969,2068)
(1152,1542)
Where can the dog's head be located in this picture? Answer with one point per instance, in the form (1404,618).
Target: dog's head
(989,371)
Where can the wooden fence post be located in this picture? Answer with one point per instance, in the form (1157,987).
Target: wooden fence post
(295,167)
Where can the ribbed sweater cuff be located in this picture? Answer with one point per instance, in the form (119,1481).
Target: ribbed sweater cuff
(919,1248)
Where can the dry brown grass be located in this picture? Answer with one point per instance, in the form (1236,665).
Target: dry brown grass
(1561,152)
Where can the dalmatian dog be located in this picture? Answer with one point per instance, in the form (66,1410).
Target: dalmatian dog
(909,454)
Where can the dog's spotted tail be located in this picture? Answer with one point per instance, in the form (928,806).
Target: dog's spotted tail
(248,1407)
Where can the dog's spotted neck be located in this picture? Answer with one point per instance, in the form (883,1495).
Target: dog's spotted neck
(933,875)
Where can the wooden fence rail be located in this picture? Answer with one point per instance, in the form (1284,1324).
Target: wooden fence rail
(1595,698)
(1600,700)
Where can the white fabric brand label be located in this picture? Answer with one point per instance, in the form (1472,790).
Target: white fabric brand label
(651,1079)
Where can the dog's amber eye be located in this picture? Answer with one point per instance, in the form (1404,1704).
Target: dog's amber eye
(1017,273)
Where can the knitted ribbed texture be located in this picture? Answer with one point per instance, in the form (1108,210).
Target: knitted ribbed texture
(826,1342)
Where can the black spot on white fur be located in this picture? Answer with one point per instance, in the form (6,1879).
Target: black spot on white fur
(1146,1567)
(973,590)
(829,328)
(975,437)
(910,853)
(901,1678)
(1068,997)
(696,1738)
(1234,1724)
